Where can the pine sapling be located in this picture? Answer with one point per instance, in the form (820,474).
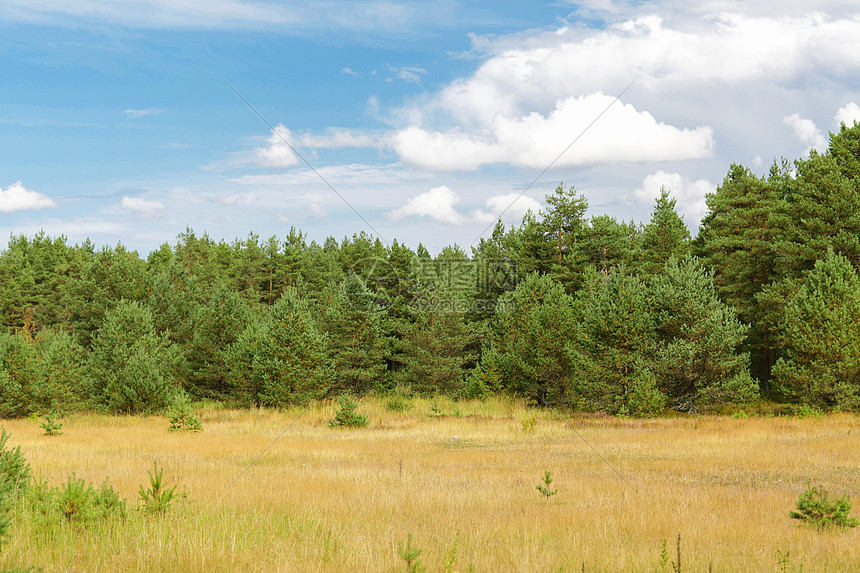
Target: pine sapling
(347,416)
(818,509)
(157,498)
(546,487)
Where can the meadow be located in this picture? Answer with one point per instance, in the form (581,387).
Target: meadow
(461,484)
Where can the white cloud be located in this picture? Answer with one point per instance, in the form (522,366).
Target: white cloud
(334,139)
(143,207)
(18,198)
(531,73)
(278,153)
(623,134)
(437,204)
(806,131)
(409,74)
(316,210)
(348,71)
(848,114)
(137,113)
(510,207)
(689,194)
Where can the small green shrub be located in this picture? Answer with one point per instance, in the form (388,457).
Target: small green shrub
(76,501)
(13,466)
(347,416)
(157,498)
(816,508)
(410,556)
(182,417)
(435,410)
(546,486)
(51,426)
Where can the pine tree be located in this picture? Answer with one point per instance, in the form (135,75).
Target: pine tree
(665,236)
(531,331)
(742,239)
(613,345)
(821,361)
(698,337)
(288,364)
(356,348)
(132,369)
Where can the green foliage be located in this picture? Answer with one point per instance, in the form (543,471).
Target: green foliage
(39,373)
(182,417)
(51,426)
(346,416)
(132,368)
(698,339)
(816,508)
(14,468)
(157,498)
(356,346)
(529,421)
(821,362)
(410,556)
(76,501)
(545,487)
(613,343)
(665,237)
(281,360)
(451,554)
(529,342)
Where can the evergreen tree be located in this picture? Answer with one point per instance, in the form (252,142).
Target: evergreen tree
(530,333)
(613,346)
(698,337)
(821,361)
(741,239)
(288,364)
(665,236)
(356,349)
(132,369)
(110,275)
(39,373)
(219,323)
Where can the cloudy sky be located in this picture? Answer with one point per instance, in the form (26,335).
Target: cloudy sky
(130,120)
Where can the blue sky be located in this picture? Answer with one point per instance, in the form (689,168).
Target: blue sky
(117,122)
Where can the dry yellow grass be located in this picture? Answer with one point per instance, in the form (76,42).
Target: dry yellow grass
(324,499)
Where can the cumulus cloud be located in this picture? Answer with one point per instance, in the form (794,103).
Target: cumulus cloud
(806,131)
(277,154)
(16,197)
(137,113)
(439,204)
(848,114)
(510,207)
(143,207)
(689,194)
(623,134)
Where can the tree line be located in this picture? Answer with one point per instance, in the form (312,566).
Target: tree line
(592,314)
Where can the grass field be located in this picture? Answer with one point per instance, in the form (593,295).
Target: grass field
(324,499)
